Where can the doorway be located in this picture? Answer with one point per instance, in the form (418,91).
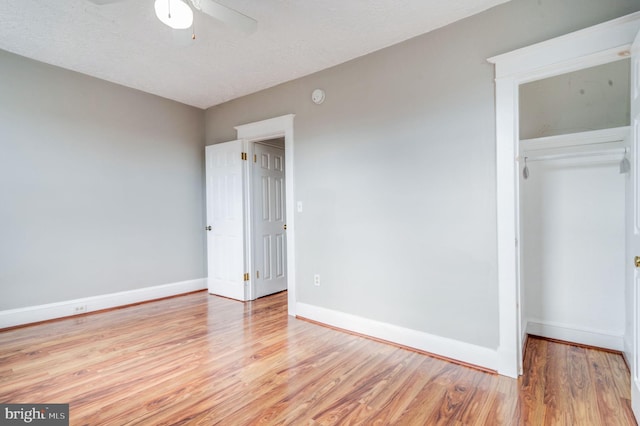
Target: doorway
(246,211)
(280,127)
(241,282)
(607,42)
(573,176)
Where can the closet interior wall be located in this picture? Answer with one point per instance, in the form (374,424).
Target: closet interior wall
(573,130)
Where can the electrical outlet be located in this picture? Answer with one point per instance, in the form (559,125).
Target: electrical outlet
(316,279)
(80,309)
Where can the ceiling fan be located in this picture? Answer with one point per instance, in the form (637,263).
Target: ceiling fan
(178,14)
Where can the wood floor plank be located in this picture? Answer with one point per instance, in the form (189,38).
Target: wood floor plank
(198,359)
(557,385)
(533,384)
(389,405)
(605,391)
(582,388)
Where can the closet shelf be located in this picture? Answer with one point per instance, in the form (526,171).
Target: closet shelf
(605,142)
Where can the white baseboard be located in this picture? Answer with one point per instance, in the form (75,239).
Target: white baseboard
(454,349)
(580,335)
(31,314)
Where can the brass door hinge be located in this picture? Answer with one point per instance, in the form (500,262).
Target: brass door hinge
(244,156)
(246,276)
(255,158)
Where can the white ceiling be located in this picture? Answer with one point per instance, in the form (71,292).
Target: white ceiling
(126,44)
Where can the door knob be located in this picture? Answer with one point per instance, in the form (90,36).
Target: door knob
(636,261)
(208,228)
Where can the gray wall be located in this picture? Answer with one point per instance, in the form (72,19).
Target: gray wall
(101,187)
(396,169)
(590,99)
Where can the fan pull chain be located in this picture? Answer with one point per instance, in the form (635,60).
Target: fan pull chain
(169,8)
(193,29)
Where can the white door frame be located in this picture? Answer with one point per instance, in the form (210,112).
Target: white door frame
(269,129)
(600,44)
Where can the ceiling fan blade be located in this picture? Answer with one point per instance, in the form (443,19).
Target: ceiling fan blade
(226,15)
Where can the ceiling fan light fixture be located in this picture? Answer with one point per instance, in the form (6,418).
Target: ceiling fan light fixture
(174,13)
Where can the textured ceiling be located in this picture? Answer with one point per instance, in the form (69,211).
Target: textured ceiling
(126,44)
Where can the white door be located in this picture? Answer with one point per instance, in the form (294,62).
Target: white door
(269,237)
(633,230)
(225,174)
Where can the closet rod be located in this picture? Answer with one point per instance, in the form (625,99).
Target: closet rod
(602,152)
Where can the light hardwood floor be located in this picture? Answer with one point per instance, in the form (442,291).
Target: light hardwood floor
(201,359)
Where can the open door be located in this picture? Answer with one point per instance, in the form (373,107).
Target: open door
(270,253)
(633,234)
(225,176)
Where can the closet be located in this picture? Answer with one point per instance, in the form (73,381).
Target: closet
(573,161)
